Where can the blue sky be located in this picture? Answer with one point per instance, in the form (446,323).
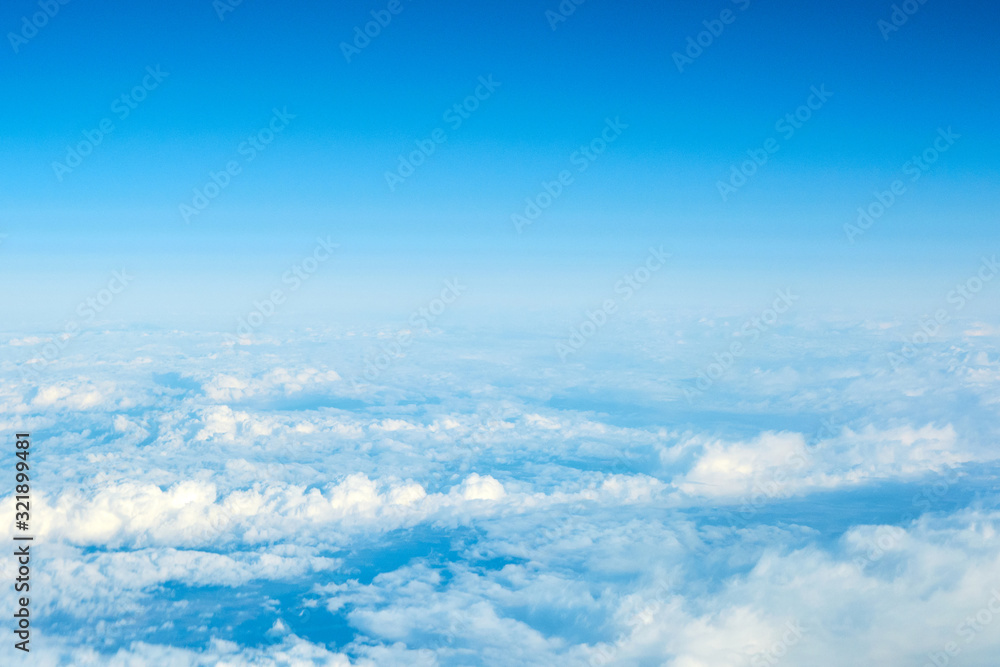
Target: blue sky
(656,183)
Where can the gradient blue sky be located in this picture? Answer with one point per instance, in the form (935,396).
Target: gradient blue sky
(655,185)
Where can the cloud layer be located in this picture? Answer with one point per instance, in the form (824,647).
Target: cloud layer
(203,503)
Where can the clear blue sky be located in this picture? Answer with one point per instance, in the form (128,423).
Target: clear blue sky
(656,183)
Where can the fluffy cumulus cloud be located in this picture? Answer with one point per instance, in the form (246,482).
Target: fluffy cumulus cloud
(783,464)
(482,502)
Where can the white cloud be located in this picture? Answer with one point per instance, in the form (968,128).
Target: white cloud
(782,464)
(508,509)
